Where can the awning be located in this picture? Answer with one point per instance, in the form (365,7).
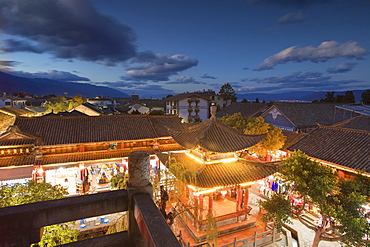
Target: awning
(10,173)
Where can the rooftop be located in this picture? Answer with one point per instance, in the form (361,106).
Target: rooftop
(215,136)
(84,129)
(222,173)
(344,147)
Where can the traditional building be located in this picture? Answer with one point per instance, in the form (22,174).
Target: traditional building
(215,173)
(302,117)
(88,109)
(72,150)
(346,150)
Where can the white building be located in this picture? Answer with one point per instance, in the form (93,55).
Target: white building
(190,107)
(13,101)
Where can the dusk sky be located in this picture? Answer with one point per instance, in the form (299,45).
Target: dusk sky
(148,47)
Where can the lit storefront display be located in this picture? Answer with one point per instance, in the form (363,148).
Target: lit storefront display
(83,178)
(14,175)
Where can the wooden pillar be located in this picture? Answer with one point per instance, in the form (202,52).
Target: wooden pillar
(82,148)
(210,203)
(196,213)
(196,207)
(121,145)
(238,198)
(187,192)
(201,207)
(246,197)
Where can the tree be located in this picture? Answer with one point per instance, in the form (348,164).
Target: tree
(237,121)
(365,96)
(62,104)
(119,181)
(329,97)
(17,194)
(349,97)
(273,140)
(338,200)
(76,101)
(227,92)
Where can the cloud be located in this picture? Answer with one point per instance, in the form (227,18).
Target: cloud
(206,76)
(292,17)
(289,3)
(121,84)
(298,81)
(185,80)
(52,75)
(67,29)
(341,68)
(325,51)
(294,79)
(154,91)
(8,64)
(158,67)
(246,68)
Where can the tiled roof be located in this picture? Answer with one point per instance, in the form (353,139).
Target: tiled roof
(78,157)
(345,147)
(14,137)
(359,123)
(17,160)
(246,109)
(221,174)
(74,130)
(87,156)
(291,137)
(162,123)
(92,107)
(214,136)
(14,111)
(308,114)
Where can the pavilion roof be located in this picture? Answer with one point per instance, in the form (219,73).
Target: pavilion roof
(214,136)
(219,174)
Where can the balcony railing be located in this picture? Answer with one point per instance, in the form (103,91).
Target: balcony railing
(22,225)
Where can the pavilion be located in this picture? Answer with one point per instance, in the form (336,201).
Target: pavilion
(217,178)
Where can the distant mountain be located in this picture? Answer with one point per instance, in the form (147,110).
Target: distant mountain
(295,96)
(14,84)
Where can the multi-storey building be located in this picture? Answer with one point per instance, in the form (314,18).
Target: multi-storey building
(190,107)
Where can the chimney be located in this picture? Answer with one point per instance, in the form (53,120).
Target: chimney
(213,111)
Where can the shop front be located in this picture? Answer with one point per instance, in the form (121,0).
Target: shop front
(14,175)
(84,177)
